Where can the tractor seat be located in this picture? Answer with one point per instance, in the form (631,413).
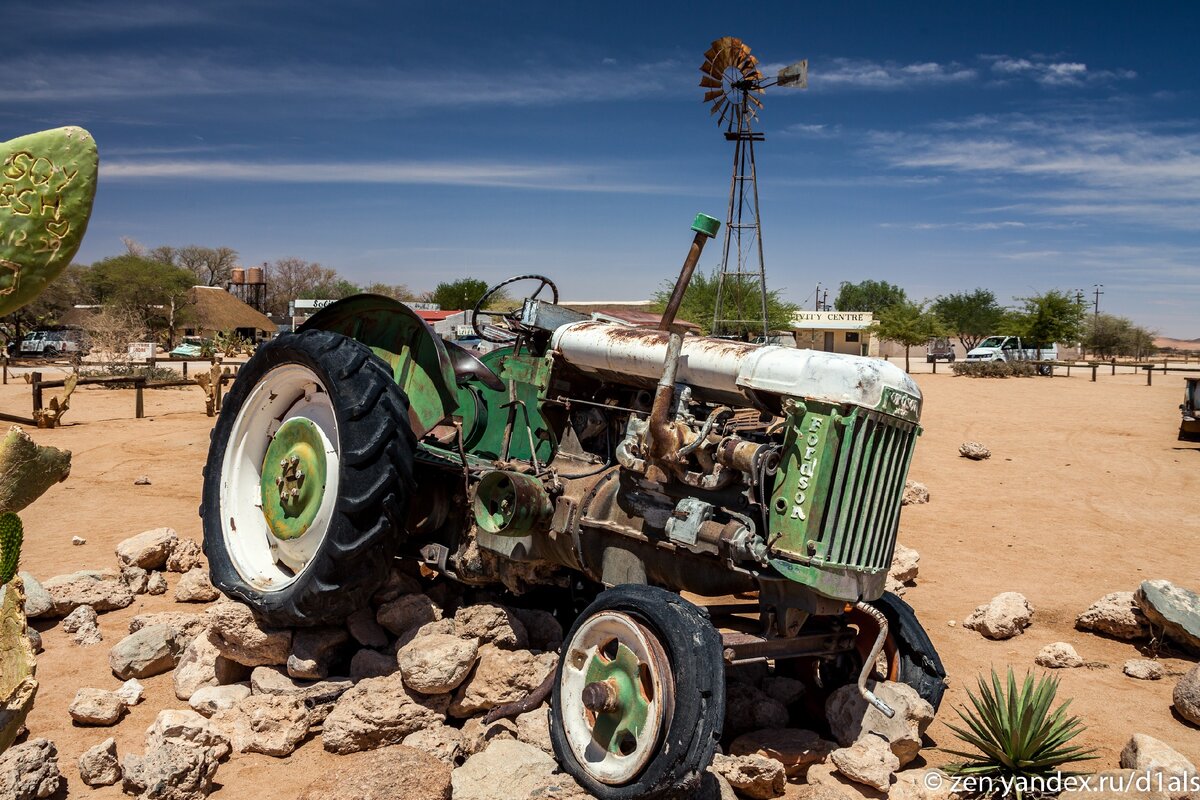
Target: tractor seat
(469,368)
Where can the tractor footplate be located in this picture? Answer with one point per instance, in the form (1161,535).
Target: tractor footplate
(745,648)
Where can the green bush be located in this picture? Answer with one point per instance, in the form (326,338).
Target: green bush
(131,371)
(994,369)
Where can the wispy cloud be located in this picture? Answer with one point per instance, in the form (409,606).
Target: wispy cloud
(1049,72)
(551,177)
(849,73)
(999,225)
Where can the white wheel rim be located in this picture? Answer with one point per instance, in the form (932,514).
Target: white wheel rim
(608,758)
(262,560)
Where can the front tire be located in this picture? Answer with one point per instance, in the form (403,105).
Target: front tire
(307,479)
(662,659)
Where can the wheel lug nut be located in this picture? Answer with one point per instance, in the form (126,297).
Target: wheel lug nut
(601,697)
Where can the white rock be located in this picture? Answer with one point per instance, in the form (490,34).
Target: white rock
(1144,669)
(37,600)
(1186,696)
(195,587)
(1147,754)
(148,550)
(533,727)
(78,541)
(103,590)
(156,584)
(273,725)
(239,636)
(98,765)
(1006,615)
(29,770)
(440,741)
(851,718)
(974,451)
(437,664)
(1058,655)
(378,712)
(868,761)
(491,623)
(187,728)
(173,770)
(96,707)
(512,770)
(150,651)
(905,564)
(130,692)
(754,776)
(208,700)
(184,556)
(1117,615)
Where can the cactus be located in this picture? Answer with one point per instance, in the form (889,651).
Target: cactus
(47,185)
(11,534)
(27,469)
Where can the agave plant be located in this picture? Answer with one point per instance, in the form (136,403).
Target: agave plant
(1015,731)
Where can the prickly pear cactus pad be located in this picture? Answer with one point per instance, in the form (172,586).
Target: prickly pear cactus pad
(11,534)
(47,185)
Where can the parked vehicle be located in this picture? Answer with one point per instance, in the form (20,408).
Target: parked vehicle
(590,460)
(939,348)
(1189,427)
(1012,348)
(779,339)
(52,343)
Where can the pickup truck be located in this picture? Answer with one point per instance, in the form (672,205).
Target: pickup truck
(1011,348)
(50,344)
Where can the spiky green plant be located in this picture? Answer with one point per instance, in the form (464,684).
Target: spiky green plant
(11,534)
(1016,732)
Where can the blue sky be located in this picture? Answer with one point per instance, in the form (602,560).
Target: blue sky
(941,146)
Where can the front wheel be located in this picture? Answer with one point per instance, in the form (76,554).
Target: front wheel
(307,479)
(639,696)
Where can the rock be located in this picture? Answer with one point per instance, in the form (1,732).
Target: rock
(501,676)
(185,626)
(208,700)
(201,664)
(237,634)
(1186,696)
(38,602)
(96,707)
(714,787)
(868,761)
(377,712)
(272,680)
(184,556)
(78,541)
(156,584)
(103,590)
(438,626)
(1144,669)
(273,725)
(796,749)
(476,735)
(148,550)
(512,770)
(365,630)
(312,651)
(1006,615)
(35,639)
(98,765)
(141,480)
(171,771)
(406,612)
(83,627)
(491,623)
(1147,754)
(396,584)
(135,578)
(749,709)
(754,776)
(783,689)
(441,741)
(189,729)
(195,587)
(533,727)
(974,451)
(923,784)
(1173,609)
(393,773)
(1118,784)
(371,664)
(1058,655)
(915,494)
(905,564)
(1115,615)
(543,629)
(130,692)
(851,718)
(437,664)
(150,651)
(29,771)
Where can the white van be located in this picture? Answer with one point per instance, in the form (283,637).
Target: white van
(50,344)
(1011,348)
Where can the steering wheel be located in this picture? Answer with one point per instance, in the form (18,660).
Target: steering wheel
(512,318)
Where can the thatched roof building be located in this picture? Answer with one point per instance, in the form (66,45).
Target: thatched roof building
(211,309)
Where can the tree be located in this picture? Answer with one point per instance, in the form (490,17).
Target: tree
(154,292)
(700,302)
(395,291)
(1048,318)
(1107,336)
(210,265)
(909,324)
(292,278)
(59,297)
(969,316)
(868,296)
(462,294)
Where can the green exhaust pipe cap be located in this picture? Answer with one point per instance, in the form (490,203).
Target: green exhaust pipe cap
(706,225)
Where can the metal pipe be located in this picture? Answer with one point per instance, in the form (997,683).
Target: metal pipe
(869,663)
(705,228)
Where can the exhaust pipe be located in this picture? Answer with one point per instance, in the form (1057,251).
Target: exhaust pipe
(869,664)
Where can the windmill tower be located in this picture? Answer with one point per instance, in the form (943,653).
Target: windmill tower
(733,83)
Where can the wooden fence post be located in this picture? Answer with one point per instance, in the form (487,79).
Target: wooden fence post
(1149,373)
(1094,372)
(217,394)
(6,370)
(37,391)
(185,370)
(139,408)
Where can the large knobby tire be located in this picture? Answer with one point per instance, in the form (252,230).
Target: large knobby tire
(918,663)
(678,695)
(319,554)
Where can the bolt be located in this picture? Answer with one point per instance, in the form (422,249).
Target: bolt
(295,460)
(283,463)
(601,697)
(279,480)
(283,496)
(295,493)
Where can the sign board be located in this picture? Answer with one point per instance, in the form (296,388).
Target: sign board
(141,351)
(833,320)
(464,332)
(316,305)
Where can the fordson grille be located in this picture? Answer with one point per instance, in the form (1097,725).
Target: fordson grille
(866,485)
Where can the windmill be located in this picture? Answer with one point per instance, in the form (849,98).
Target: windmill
(733,83)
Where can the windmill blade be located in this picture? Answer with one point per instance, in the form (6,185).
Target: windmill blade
(717,106)
(711,51)
(754,100)
(794,75)
(711,69)
(710,83)
(713,94)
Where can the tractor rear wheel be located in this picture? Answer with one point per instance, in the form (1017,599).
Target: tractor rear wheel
(308,475)
(639,696)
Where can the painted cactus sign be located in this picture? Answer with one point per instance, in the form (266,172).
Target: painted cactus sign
(47,185)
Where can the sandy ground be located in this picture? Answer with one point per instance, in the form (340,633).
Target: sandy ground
(1087,492)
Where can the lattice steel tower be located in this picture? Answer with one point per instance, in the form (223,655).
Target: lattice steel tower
(733,82)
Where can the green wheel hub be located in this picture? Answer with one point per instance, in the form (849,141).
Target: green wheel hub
(620,698)
(293,478)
